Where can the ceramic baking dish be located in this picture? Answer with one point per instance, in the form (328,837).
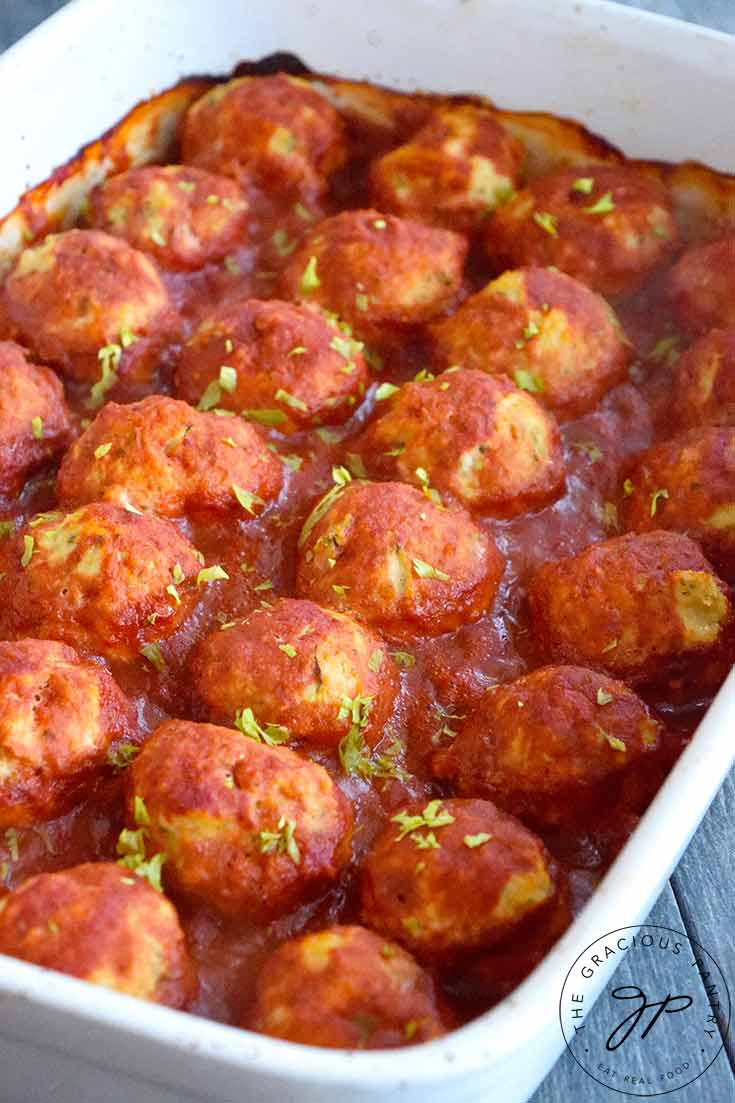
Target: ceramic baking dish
(627,75)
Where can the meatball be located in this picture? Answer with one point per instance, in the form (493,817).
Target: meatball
(300,667)
(480,439)
(453,172)
(292,367)
(454,876)
(607,225)
(98,923)
(90,305)
(687,484)
(58,717)
(388,555)
(34,419)
(346,988)
(251,829)
(278,130)
(702,287)
(162,456)
(101,579)
(630,605)
(552,746)
(703,388)
(182,216)
(547,331)
(378,272)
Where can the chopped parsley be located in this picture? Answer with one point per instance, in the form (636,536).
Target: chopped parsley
(282,840)
(122,755)
(102,450)
(583,184)
(473,841)
(28,546)
(404,659)
(385,390)
(603,698)
(309,280)
(291,400)
(655,497)
(287,649)
(246,499)
(628,488)
(425,570)
(271,734)
(527,381)
(214,573)
(431,819)
(604,205)
(265,417)
(547,222)
(37,427)
(109,357)
(152,652)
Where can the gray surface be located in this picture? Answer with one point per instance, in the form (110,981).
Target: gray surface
(700,897)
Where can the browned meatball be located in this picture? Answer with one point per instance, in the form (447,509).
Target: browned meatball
(346,988)
(460,166)
(551,747)
(101,579)
(630,605)
(99,923)
(91,305)
(388,555)
(481,440)
(300,667)
(249,828)
(702,286)
(453,876)
(608,225)
(162,456)
(58,717)
(550,333)
(182,216)
(378,272)
(34,419)
(687,484)
(279,130)
(288,366)
(703,388)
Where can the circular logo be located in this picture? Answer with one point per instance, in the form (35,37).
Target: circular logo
(661,1015)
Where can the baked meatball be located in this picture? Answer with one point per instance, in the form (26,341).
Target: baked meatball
(90,305)
(58,717)
(101,579)
(347,988)
(453,876)
(388,555)
(702,287)
(99,923)
(182,216)
(162,456)
(551,747)
(547,331)
(607,225)
(460,166)
(249,828)
(278,130)
(34,419)
(480,439)
(378,272)
(687,484)
(298,666)
(292,366)
(703,388)
(630,605)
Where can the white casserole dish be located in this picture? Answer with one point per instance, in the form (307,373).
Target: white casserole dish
(625,74)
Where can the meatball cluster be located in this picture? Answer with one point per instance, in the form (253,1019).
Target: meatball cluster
(161,456)
(387,554)
(482,440)
(458,168)
(549,332)
(101,924)
(608,225)
(284,365)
